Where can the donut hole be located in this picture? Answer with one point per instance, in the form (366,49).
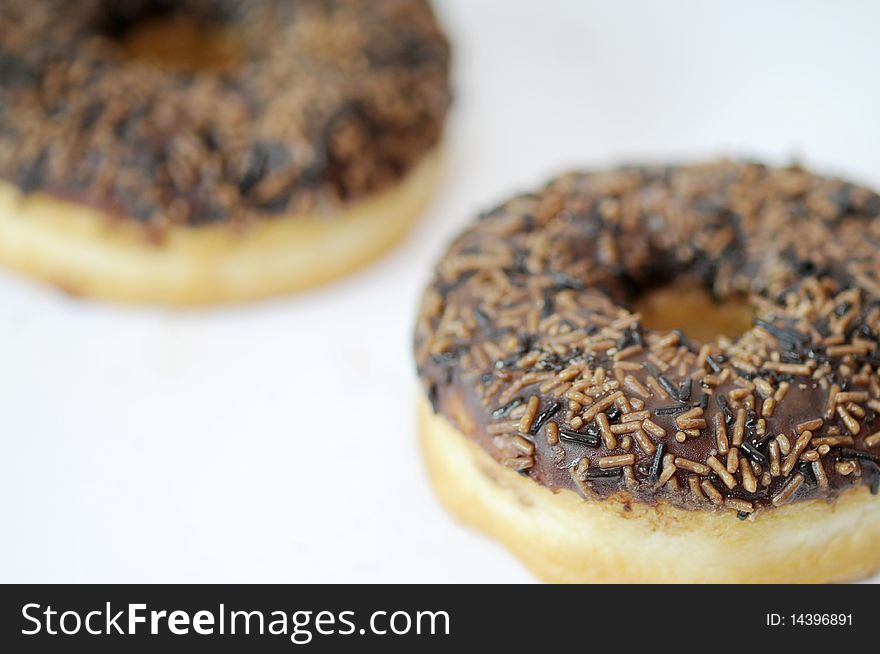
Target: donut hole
(162,34)
(180,42)
(688,306)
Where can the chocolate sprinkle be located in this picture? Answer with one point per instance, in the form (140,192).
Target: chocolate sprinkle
(670,410)
(502,411)
(684,390)
(657,462)
(753,453)
(871,473)
(432,398)
(544,416)
(783,334)
(590,440)
(850,453)
(668,386)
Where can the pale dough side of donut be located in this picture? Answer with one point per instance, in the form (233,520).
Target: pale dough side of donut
(563,538)
(84,252)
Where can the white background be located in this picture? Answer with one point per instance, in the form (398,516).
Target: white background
(276,442)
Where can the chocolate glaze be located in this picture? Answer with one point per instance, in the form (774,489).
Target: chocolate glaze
(530,304)
(330,101)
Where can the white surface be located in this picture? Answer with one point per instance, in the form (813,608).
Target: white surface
(276,442)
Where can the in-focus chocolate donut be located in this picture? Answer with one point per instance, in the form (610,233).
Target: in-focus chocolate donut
(527,343)
(312,107)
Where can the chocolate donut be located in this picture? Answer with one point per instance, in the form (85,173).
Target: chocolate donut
(561,424)
(317,116)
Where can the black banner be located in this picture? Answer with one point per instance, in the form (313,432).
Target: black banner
(164,618)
